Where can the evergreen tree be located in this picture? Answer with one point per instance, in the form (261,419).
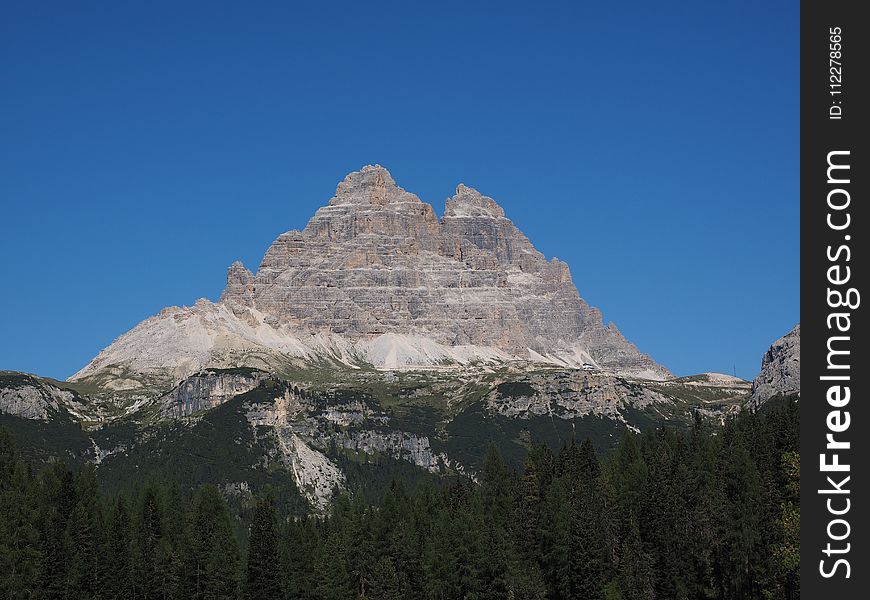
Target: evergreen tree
(532,489)
(704,502)
(8,457)
(556,541)
(439,559)
(741,528)
(19,536)
(708,513)
(153,556)
(59,501)
(262,578)
(209,557)
(298,552)
(587,550)
(664,519)
(118,580)
(496,511)
(469,550)
(635,573)
(86,543)
(786,553)
(333,573)
(363,549)
(386,583)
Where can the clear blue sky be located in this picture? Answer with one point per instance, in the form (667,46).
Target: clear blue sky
(651,145)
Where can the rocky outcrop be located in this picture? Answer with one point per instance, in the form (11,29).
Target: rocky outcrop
(780,370)
(570,395)
(305,425)
(31,397)
(400,445)
(315,475)
(207,390)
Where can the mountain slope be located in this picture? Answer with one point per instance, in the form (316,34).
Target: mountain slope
(335,427)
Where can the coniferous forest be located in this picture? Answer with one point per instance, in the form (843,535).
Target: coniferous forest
(711,512)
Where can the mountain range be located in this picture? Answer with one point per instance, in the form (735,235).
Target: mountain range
(379,337)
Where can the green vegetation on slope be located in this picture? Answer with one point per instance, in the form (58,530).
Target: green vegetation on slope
(671,514)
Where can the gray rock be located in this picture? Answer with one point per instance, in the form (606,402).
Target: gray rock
(31,397)
(205,391)
(780,370)
(376,260)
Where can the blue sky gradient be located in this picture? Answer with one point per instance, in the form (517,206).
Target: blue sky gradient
(652,146)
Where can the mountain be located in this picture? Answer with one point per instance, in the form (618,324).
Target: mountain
(377,342)
(376,279)
(780,369)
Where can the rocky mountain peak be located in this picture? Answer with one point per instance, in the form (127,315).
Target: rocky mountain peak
(376,278)
(468,202)
(238,274)
(371,185)
(240,282)
(369,203)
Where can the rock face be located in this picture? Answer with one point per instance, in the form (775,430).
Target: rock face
(376,278)
(33,398)
(207,390)
(780,369)
(570,395)
(304,425)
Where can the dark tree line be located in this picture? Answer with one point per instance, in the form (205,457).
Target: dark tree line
(671,514)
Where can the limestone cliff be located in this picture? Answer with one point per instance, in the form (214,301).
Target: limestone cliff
(780,369)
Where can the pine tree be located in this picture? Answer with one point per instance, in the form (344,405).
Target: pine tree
(705,504)
(262,578)
(469,550)
(664,518)
(152,550)
(786,553)
(556,540)
(58,502)
(740,557)
(439,559)
(298,552)
(494,525)
(8,457)
(118,582)
(86,543)
(386,583)
(535,481)
(635,573)
(19,536)
(587,551)
(209,556)
(363,550)
(333,573)
(495,487)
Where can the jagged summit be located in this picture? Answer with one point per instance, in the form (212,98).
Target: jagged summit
(468,202)
(376,278)
(373,185)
